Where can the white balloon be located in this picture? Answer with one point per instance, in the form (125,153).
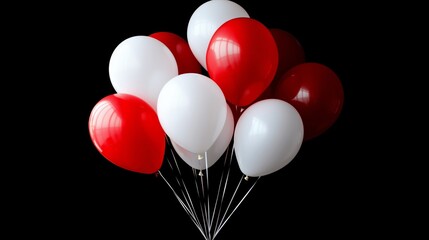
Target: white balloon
(141,65)
(192,111)
(268,135)
(204,22)
(214,153)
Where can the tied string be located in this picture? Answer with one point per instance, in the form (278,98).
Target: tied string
(209,209)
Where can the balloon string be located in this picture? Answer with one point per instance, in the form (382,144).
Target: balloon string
(174,192)
(188,198)
(208,219)
(203,199)
(208,196)
(181,182)
(200,195)
(182,186)
(226,168)
(219,188)
(247,193)
(230,202)
(189,206)
(192,216)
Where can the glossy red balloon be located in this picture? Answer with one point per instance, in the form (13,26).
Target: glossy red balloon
(242,59)
(316,92)
(127,132)
(290,51)
(186,61)
(267,93)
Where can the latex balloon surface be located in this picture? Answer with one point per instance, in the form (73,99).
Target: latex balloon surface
(268,135)
(215,152)
(291,52)
(141,65)
(242,59)
(192,110)
(126,131)
(205,20)
(186,61)
(316,92)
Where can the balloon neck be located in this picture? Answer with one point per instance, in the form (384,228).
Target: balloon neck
(200,173)
(246,178)
(200,156)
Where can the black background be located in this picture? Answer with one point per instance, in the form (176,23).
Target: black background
(333,187)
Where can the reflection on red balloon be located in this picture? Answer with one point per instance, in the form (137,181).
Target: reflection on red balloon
(126,131)
(186,61)
(242,59)
(316,92)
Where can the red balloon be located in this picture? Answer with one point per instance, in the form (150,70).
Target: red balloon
(290,51)
(267,94)
(317,94)
(242,59)
(126,131)
(186,61)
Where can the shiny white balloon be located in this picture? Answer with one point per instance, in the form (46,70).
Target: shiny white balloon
(214,153)
(141,65)
(205,20)
(192,111)
(268,135)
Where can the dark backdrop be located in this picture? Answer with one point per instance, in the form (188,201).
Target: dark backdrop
(328,190)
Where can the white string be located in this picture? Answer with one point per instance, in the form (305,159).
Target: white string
(193,218)
(204,219)
(228,168)
(208,197)
(217,231)
(186,196)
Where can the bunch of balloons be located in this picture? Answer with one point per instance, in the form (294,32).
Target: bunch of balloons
(232,80)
